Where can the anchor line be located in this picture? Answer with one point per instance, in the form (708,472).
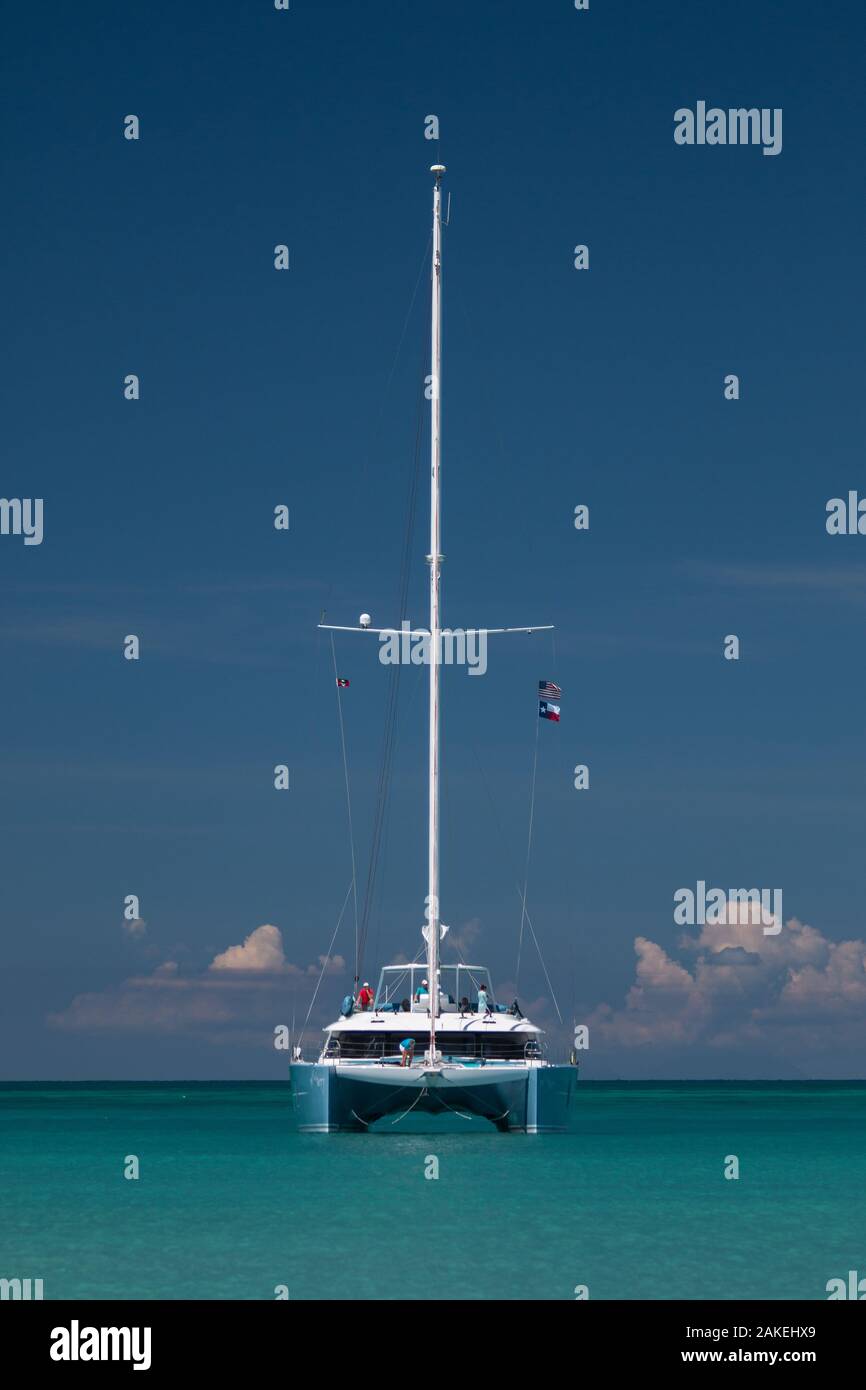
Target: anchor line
(421,1096)
(426,1091)
(395,1092)
(452,1111)
(483,1117)
(492,1118)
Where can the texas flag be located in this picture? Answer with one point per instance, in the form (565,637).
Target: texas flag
(546,710)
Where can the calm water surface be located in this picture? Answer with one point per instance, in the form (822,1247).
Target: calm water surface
(231,1201)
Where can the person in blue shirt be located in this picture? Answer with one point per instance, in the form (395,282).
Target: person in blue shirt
(483,1001)
(422,993)
(407,1052)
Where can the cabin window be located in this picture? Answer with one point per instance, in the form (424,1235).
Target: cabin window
(472,1047)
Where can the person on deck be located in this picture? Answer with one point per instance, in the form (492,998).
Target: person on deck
(365,997)
(422,993)
(407,1052)
(483,1001)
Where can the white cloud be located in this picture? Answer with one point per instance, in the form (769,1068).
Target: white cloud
(262,950)
(245,990)
(790,994)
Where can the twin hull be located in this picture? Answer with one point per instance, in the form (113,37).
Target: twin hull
(334,1096)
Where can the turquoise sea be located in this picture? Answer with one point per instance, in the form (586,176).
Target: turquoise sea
(231,1202)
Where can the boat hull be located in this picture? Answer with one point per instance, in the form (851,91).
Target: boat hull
(341,1097)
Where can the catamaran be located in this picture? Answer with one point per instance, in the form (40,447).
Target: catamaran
(432,1038)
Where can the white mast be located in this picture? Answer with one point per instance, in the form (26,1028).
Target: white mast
(434,559)
(433,929)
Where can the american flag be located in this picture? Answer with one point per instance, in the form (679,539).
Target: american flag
(548,691)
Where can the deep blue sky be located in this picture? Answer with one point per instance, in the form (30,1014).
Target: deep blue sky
(258,387)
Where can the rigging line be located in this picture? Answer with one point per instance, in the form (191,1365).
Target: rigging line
(517,887)
(348,798)
(361,928)
(424,259)
(528,851)
(390,729)
(528,918)
(409,704)
(374,909)
(379,810)
(311,703)
(314,667)
(448,818)
(544,967)
(523,912)
(325,964)
(385,394)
